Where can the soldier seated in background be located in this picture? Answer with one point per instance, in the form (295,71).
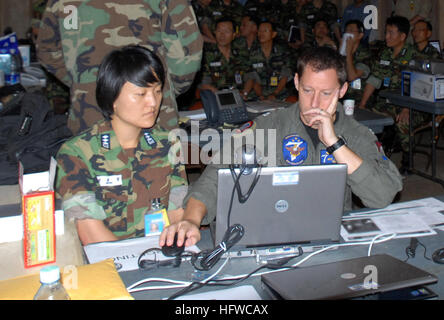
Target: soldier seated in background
(421,33)
(223,65)
(263,9)
(392,60)
(230,9)
(312,11)
(387,74)
(321,33)
(247,39)
(270,64)
(288,17)
(358,58)
(200,9)
(109,174)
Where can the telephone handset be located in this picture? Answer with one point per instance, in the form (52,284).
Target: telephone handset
(224,106)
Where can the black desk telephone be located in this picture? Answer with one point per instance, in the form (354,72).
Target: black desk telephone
(225,106)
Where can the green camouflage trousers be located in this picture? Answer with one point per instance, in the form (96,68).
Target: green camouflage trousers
(402,129)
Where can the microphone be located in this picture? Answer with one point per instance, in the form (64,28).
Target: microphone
(247,157)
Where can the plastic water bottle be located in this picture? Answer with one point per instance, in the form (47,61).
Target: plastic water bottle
(2,78)
(14,70)
(51,288)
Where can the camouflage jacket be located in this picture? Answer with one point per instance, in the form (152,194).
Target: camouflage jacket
(314,44)
(217,9)
(97,179)
(221,73)
(73,49)
(269,71)
(240,43)
(199,11)
(387,71)
(285,17)
(429,52)
(362,59)
(309,15)
(38,7)
(261,10)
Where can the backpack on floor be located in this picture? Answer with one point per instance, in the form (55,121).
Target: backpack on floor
(30,133)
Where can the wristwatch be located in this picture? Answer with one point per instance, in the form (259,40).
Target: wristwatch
(336,145)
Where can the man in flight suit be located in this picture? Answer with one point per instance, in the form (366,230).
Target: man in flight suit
(317,123)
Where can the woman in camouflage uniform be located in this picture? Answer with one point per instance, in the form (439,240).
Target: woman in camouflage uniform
(109,174)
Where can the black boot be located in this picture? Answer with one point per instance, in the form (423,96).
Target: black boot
(403,170)
(390,141)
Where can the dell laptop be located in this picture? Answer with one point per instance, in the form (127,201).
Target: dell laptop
(300,205)
(345,279)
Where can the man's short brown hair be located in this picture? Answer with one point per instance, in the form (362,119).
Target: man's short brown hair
(320,59)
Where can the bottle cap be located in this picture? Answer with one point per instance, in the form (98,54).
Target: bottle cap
(49,274)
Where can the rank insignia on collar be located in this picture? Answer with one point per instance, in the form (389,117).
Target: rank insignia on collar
(106,141)
(149,139)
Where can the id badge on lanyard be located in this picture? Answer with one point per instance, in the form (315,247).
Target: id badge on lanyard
(274,81)
(238,78)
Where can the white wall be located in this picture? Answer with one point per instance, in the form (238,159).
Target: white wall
(384,10)
(16,14)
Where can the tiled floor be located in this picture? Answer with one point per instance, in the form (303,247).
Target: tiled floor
(416,187)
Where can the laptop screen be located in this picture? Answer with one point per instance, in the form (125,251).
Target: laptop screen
(288,205)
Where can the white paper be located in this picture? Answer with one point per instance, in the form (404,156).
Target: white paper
(429,210)
(125,253)
(236,293)
(430,204)
(193,114)
(367,227)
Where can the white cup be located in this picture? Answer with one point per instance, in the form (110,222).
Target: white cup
(345,36)
(349,107)
(25,52)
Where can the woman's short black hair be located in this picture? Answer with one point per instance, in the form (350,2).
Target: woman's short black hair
(134,64)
